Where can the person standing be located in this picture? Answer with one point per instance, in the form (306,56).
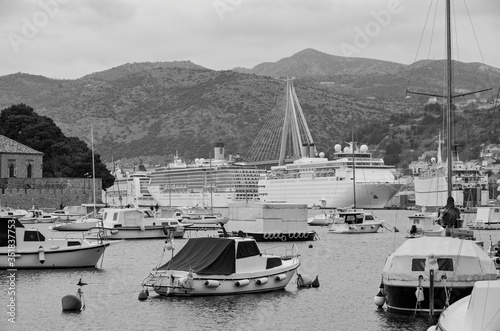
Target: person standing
(450,215)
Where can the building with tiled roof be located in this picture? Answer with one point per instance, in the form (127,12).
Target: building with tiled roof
(18,160)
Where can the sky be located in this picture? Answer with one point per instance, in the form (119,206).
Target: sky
(68,39)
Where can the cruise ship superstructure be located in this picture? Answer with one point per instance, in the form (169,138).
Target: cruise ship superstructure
(129,189)
(211,183)
(318,181)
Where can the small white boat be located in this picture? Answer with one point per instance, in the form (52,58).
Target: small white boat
(72,213)
(193,215)
(37,216)
(222,266)
(478,311)
(135,223)
(33,250)
(487,218)
(322,219)
(356,221)
(84,223)
(421,224)
(11,212)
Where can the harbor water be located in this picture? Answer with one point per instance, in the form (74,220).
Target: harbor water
(349,269)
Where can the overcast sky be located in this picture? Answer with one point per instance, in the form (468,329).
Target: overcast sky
(72,38)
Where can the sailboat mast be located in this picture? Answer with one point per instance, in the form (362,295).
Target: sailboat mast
(93,164)
(353,167)
(449,96)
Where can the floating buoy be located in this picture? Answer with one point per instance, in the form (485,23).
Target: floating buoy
(72,302)
(379,299)
(303,280)
(310,245)
(41,255)
(143,295)
(315,282)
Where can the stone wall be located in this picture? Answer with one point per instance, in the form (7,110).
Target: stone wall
(48,193)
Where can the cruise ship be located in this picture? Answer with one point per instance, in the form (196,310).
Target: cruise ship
(469,185)
(130,189)
(324,183)
(212,183)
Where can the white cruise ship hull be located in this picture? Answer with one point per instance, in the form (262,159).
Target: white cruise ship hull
(327,192)
(433,192)
(190,199)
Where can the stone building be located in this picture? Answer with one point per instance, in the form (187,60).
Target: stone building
(22,185)
(18,160)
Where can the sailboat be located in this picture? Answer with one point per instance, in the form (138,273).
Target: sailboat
(427,274)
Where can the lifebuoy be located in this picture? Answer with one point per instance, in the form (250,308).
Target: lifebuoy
(266,236)
(283,237)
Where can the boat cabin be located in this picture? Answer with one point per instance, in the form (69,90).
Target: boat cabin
(220,256)
(354,217)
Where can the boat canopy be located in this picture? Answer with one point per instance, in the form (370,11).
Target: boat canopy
(460,259)
(211,256)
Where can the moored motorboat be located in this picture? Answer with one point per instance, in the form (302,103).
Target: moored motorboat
(356,221)
(37,216)
(133,223)
(222,266)
(426,274)
(84,223)
(478,311)
(422,224)
(33,250)
(322,219)
(487,218)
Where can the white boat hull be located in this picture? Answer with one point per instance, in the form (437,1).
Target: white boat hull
(328,192)
(55,257)
(135,232)
(75,226)
(371,227)
(206,285)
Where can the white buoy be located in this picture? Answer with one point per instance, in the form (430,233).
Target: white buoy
(379,299)
(303,280)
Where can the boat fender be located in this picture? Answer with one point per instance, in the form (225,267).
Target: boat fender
(168,246)
(419,293)
(280,277)
(41,255)
(242,282)
(212,283)
(303,280)
(379,299)
(143,296)
(262,281)
(315,282)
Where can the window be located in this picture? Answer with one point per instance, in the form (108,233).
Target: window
(29,170)
(33,236)
(417,264)
(12,168)
(445,264)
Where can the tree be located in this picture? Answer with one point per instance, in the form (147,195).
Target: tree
(62,156)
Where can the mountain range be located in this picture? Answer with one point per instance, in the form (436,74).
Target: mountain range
(154,110)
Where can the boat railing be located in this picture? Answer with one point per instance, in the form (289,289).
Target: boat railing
(289,252)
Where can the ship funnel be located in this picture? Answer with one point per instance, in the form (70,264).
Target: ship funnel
(311,150)
(305,150)
(219,151)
